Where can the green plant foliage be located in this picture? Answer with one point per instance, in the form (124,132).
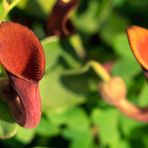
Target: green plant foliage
(62,87)
(25,136)
(8,128)
(108,133)
(73,113)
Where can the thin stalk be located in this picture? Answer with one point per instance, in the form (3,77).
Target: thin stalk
(75,40)
(100,70)
(97,67)
(7,8)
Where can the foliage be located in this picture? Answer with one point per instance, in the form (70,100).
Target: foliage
(74,115)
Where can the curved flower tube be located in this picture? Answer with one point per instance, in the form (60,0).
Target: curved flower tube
(138,40)
(22,57)
(58,22)
(114,93)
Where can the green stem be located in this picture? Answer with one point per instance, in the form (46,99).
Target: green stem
(107,7)
(8,8)
(77,45)
(97,67)
(100,70)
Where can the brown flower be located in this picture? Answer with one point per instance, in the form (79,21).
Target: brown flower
(22,57)
(58,22)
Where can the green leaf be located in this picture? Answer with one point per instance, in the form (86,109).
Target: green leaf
(37,8)
(25,135)
(76,42)
(88,16)
(119,2)
(126,68)
(121,46)
(59,91)
(7,129)
(22,4)
(45,124)
(1,8)
(142,99)
(128,125)
(5,112)
(121,144)
(79,138)
(112,28)
(76,129)
(107,123)
(38,30)
(74,118)
(46,5)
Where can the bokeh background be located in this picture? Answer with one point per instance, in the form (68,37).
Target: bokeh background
(74,114)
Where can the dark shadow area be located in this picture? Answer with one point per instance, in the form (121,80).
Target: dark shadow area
(53,142)
(76,83)
(34,9)
(31,15)
(67,46)
(60,61)
(82,6)
(135,11)
(22,17)
(137,135)
(5,113)
(93,100)
(12,143)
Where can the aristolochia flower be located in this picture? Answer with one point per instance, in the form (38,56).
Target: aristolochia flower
(22,57)
(138,39)
(58,22)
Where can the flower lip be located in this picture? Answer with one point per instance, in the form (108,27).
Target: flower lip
(138,40)
(25,105)
(21,52)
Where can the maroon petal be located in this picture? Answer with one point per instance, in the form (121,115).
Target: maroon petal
(22,56)
(21,52)
(58,22)
(29,98)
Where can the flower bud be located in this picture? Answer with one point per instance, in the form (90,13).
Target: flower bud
(113,91)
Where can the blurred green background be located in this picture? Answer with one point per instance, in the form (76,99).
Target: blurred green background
(74,115)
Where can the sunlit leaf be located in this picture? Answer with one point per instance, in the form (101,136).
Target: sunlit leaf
(107,123)
(78,138)
(74,118)
(25,135)
(7,129)
(143,97)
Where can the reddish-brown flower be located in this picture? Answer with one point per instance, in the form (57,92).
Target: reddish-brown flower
(58,22)
(138,39)
(22,56)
